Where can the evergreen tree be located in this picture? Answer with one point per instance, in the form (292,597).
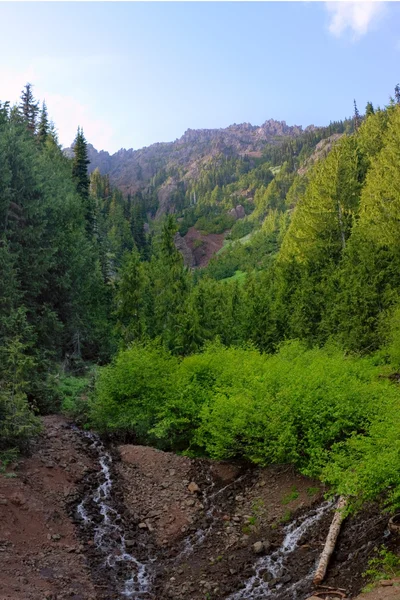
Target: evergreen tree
(29,108)
(44,127)
(369,109)
(80,173)
(356,117)
(397,93)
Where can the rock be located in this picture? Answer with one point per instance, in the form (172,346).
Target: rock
(386,582)
(258,547)
(142,526)
(129,543)
(239,498)
(240,214)
(188,256)
(193,487)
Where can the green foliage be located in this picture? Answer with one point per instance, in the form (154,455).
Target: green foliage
(332,416)
(384,565)
(74,392)
(293,495)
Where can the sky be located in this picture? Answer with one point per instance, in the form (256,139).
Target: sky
(135,73)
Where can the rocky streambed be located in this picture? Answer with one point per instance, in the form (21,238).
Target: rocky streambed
(87,521)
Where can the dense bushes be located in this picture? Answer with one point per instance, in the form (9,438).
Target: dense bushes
(314,408)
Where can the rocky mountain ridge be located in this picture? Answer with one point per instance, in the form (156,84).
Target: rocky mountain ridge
(132,170)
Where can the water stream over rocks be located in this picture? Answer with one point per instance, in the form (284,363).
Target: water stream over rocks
(127,562)
(109,537)
(271,568)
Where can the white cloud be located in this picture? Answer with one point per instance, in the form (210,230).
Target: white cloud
(65,110)
(358,17)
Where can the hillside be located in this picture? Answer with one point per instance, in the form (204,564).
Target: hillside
(132,170)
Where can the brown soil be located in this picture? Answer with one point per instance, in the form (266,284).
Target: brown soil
(210,244)
(40,552)
(197,519)
(386,590)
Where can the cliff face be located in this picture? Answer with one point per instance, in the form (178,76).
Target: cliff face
(132,170)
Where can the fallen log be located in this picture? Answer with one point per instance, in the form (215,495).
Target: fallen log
(330,541)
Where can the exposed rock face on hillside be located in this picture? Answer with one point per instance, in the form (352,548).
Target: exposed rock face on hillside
(322,150)
(132,170)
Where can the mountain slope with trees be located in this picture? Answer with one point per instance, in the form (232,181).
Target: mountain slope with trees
(284,349)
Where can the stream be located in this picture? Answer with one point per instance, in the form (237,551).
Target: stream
(134,578)
(109,536)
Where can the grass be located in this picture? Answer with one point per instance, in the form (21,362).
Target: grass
(293,495)
(239,276)
(385,565)
(8,458)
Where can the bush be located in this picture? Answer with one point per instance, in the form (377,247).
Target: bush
(131,391)
(18,424)
(330,415)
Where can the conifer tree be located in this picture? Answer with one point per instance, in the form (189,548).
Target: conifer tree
(29,108)
(43,128)
(397,93)
(80,174)
(356,117)
(369,109)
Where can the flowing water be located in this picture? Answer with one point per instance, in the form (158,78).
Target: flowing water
(133,578)
(109,536)
(272,566)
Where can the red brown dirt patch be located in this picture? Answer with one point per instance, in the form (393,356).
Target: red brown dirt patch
(40,553)
(204,245)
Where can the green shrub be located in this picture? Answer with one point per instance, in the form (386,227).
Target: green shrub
(74,393)
(130,392)
(331,416)
(18,424)
(384,565)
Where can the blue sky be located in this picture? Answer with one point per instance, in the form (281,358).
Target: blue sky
(135,73)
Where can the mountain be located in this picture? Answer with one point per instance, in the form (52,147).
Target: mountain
(132,170)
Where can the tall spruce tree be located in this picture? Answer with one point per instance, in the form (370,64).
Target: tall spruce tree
(29,108)
(397,93)
(356,117)
(44,127)
(80,173)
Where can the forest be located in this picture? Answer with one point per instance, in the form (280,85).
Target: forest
(285,349)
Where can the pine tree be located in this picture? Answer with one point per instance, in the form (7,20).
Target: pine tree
(369,109)
(80,174)
(356,117)
(44,127)
(29,108)
(397,93)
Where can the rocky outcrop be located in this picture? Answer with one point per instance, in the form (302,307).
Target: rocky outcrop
(132,170)
(322,149)
(237,212)
(185,250)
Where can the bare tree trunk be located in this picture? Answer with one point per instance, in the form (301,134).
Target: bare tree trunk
(330,541)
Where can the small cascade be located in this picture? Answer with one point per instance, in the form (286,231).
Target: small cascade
(272,566)
(109,537)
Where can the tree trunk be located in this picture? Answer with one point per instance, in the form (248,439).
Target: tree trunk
(330,541)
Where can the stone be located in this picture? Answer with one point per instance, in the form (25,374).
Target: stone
(240,213)
(193,487)
(258,547)
(142,526)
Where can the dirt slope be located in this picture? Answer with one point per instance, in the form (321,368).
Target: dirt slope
(40,552)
